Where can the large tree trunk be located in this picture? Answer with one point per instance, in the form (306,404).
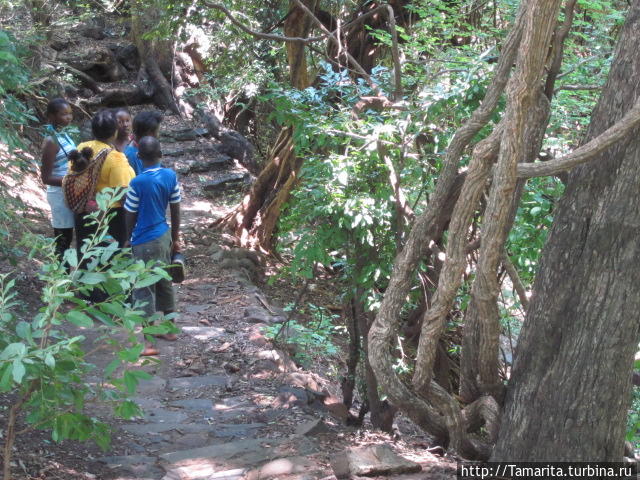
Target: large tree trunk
(427,403)
(156,54)
(254,221)
(571,383)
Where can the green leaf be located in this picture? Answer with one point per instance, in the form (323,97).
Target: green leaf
(93,278)
(147,281)
(132,354)
(49,360)
(156,330)
(71,257)
(141,374)
(13,350)
(23,330)
(18,370)
(128,409)
(5,381)
(131,382)
(80,319)
(115,363)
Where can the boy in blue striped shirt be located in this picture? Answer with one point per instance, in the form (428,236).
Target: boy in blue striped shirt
(150,236)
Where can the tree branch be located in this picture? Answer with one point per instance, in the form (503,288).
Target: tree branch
(265,36)
(515,279)
(577,87)
(332,37)
(558,48)
(586,152)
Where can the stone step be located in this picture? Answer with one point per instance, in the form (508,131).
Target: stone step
(203,472)
(182,383)
(222,430)
(138,467)
(204,333)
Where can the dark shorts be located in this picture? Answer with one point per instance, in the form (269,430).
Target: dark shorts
(160,296)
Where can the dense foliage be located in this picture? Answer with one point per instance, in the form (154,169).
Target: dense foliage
(366,173)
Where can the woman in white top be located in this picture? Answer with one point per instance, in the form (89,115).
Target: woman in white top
(55,160)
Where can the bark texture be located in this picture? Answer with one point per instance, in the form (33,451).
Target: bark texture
(434,409)
(571,383)
(254,221)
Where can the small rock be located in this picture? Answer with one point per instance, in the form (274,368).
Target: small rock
(256,315)
(229,264)
(313,427)
(229,240)
(280,467)
(371,461)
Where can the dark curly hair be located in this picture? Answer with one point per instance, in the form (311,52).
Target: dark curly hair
(80,160)
(104,125)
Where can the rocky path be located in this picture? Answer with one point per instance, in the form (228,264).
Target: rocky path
(223,403)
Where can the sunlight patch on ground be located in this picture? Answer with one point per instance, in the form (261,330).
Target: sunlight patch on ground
(197,206)
(25,185)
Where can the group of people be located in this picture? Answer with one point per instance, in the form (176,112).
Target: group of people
(129,154)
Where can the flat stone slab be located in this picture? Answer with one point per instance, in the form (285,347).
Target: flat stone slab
(314,427)
(224,452)
(203,471)
(199,404)
(195,382)
(229,180)
(195,309)
(163,415)
(144,429)
(155,384)
(147,402)
(371,461)
(203,333)
(222,430)
(236,429)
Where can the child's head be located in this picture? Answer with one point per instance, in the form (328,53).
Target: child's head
(80,160)
(123,118)
(104,126)
(59,112)
(149,150)
(147,124)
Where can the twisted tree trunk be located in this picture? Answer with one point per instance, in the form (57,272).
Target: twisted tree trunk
(571,384)
(428,404)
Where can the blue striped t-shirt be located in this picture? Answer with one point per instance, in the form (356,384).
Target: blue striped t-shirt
(149,195)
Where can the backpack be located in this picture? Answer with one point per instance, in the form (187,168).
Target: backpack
(78,188)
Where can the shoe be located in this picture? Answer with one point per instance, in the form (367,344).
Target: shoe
(177,268)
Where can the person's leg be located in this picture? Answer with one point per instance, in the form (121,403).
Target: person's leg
(146,252)
(64,237)
(165,295)
(117,226)
(84,230)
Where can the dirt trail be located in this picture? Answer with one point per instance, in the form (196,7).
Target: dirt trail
(223,403)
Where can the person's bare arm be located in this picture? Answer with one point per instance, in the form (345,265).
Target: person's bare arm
(49,152)
(175,227)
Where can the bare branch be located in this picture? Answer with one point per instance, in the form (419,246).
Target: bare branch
(586,152)
(333,38)
(558,48)
(582,62)
(515,279)
(395,53)
(577,87)
(265,36)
